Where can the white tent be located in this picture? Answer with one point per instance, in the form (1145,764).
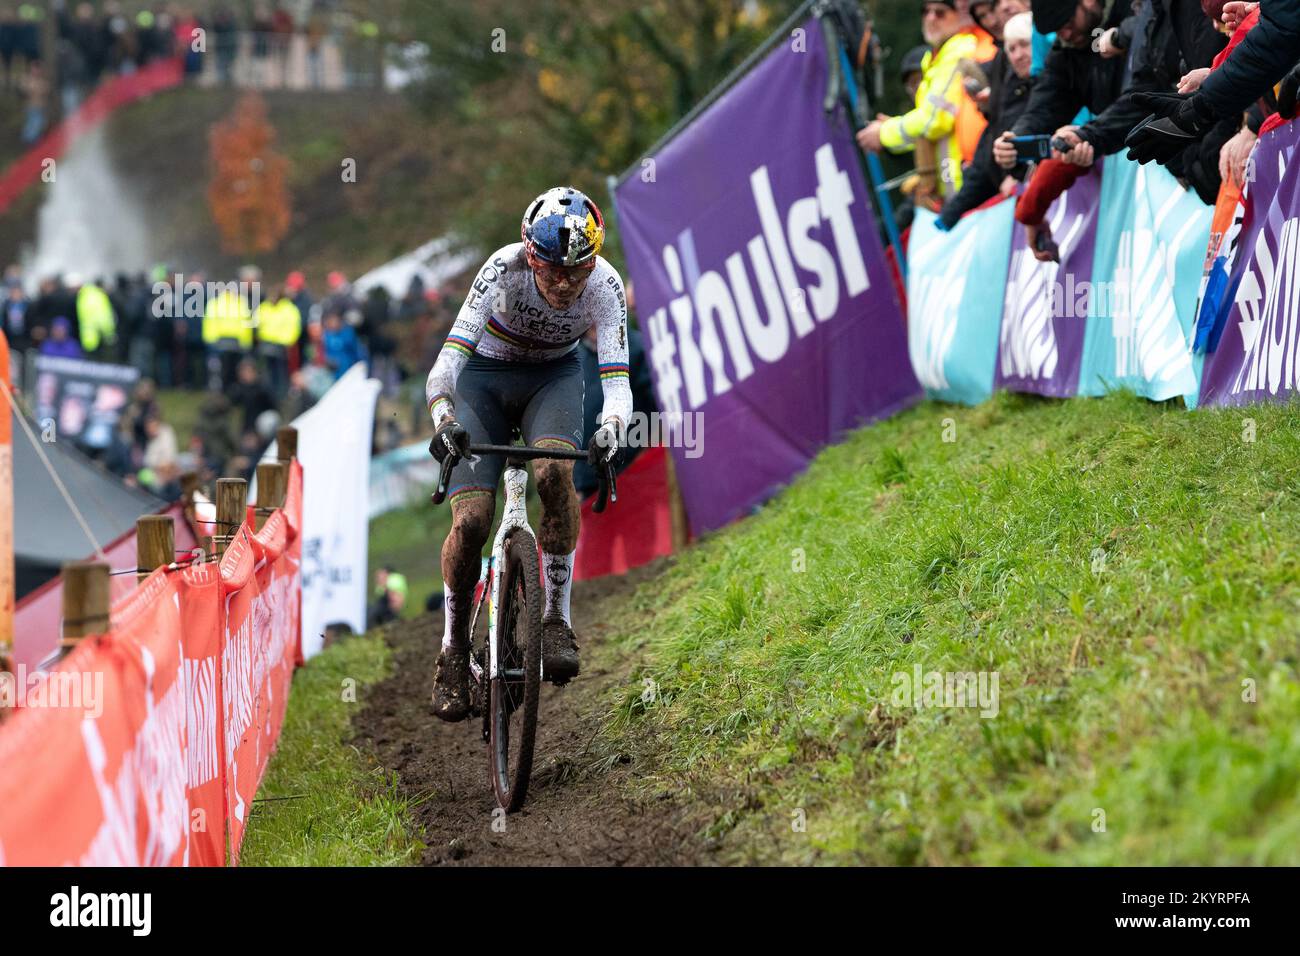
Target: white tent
(434,262)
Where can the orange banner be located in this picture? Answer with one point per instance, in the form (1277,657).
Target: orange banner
(95,755)
(200,599)
(145,746)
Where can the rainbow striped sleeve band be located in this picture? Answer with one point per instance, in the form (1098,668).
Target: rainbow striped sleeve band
(614,370)
(459,344)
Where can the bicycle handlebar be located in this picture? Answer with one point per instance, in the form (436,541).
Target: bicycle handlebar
(607,492)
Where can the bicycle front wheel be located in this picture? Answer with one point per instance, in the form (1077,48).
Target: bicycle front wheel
(517,688)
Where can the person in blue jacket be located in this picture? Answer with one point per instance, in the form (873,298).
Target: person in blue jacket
(342,347)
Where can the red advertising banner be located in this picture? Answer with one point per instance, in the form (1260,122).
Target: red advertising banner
(201,633)
(95,754)
(145,746)
(56,790)
(633,531)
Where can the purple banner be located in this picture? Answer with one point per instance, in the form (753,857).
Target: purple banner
(770,321)
(1258,357)
(1045,311)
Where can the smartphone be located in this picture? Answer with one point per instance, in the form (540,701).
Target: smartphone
(1043,242)
(1033,148)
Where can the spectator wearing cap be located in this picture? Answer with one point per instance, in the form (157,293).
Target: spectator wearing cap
(296,285)
(992,16)
(338,296)
(60,342)
(931,126)
(912,69)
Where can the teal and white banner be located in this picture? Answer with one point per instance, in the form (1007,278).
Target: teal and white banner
(955,285)
(1151,239)
(1129,275)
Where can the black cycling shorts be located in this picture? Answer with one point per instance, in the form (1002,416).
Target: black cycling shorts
(541,400)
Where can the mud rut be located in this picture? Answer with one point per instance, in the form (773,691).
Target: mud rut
(576,812)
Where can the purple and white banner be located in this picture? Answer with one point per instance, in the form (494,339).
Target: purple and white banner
(770,321)
(1258,357)
(1045,309)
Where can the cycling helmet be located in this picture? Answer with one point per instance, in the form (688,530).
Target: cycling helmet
(563,227)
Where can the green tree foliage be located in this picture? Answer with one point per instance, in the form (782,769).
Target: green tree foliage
(543,93)
(527,95)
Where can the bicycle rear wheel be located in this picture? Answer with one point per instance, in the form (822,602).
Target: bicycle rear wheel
(516,690)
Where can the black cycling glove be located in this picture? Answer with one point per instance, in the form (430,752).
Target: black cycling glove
(451,438)
(1174,124)
(603,446)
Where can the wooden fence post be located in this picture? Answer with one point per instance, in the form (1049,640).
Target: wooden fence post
(286,443)
(272,485)
(155,544)
(232,504)
(85,600)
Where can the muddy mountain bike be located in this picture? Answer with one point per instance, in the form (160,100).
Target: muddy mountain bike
(506,662)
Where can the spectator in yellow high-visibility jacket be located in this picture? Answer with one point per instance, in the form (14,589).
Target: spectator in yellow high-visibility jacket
(95,319)
(930,127)
(227,331)
(279,326)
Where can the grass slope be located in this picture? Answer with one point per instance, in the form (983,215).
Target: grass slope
(324,803)
(1128,570)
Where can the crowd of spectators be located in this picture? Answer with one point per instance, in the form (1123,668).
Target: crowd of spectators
(1187,83)
(257,354)
(112,38)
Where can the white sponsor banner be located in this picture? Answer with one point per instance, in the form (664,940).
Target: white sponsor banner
(334,438)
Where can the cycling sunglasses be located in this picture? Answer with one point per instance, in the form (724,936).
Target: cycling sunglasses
(555,273)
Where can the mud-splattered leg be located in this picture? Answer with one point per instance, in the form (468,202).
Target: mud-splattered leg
(471,523)
(558,534)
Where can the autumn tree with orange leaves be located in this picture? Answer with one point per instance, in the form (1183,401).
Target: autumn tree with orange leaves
(248,195)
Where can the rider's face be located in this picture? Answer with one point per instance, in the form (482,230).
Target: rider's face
(560,286)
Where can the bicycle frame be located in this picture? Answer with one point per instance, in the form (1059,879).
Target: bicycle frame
(514,519)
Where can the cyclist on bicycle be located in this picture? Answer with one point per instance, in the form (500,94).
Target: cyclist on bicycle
(534,300)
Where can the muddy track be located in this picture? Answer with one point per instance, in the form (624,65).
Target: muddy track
(578,811)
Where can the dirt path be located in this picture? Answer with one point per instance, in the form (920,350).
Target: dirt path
(575,812)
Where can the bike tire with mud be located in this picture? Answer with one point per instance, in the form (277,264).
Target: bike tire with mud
(513,703)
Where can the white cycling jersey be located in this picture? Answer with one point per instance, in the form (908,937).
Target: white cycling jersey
(506,318)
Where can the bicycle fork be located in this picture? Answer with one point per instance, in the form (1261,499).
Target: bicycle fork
(514,518)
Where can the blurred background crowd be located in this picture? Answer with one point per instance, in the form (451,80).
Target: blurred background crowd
(229,42)
(257,353)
